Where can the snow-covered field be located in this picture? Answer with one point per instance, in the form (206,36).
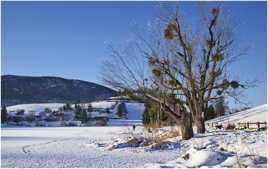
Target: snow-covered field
(71,147)
(134,115)
(35,107)
(88,147)
(103,104)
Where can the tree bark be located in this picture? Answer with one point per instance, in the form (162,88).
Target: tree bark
(186,126)
(184,121)
(200,124)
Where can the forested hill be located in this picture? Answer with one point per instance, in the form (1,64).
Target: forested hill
(27,89)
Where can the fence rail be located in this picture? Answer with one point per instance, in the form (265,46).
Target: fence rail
(249,125)
(241,126)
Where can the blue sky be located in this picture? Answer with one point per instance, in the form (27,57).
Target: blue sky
(67,39)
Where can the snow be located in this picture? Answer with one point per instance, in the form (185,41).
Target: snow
(134,115)
(123,122)
(98,114)
(88,147)
(71,147)
(204,157)
(103,104)
(104,147)
(257,114)
(35,107)
(219,148)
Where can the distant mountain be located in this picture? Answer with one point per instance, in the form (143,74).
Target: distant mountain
(27,89)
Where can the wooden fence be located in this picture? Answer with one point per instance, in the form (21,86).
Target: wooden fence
(249,125)
(241,126)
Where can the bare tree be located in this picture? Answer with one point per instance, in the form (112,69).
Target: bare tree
(182,67)
(195,65)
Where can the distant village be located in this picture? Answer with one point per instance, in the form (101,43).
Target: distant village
(80,114)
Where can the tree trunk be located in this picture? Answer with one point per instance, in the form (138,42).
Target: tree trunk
(182,119)
(186,126)
(200,124)
(185,123)
(199,118)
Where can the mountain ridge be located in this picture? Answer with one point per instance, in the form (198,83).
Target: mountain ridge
(17,89)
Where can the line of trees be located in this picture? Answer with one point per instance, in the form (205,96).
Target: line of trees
(81,112)
(182,67)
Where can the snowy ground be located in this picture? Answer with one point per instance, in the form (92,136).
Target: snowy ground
(219,148)
(71,147)
(231,149)
(86,147)
(256,114)
(89,147)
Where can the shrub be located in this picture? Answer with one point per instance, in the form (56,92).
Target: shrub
(20,112)
(230,127)
(30,118)
(218,126)
(47,110)
(210,113)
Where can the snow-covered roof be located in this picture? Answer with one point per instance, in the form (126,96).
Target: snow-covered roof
(103,104)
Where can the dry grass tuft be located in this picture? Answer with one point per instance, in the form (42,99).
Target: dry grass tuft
(152,125)
(160,140)
(174,132)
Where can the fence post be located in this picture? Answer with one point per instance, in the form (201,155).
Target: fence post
(258,125)
(248,125)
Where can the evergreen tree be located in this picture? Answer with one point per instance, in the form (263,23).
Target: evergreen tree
(210,113)
(78,111)
(67,107)
(89,108)
(47,110)
(3,114)
(122,110)
(153,114)
(146,114)
(84,116)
